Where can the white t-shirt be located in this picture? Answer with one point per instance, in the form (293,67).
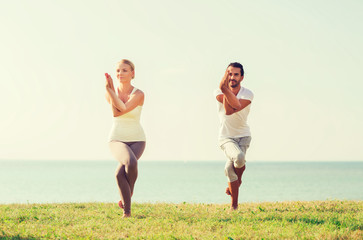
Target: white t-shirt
(234,125)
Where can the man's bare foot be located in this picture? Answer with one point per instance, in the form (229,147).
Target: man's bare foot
(126,215)
(227,191)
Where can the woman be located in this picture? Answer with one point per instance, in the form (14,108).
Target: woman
(127,138)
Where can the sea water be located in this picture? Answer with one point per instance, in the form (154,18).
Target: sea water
(177,181)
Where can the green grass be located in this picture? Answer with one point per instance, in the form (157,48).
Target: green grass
(280,220)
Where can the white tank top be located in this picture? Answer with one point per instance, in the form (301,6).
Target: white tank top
(127,127)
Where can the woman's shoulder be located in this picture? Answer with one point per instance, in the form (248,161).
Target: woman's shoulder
(139,95)
(139,92)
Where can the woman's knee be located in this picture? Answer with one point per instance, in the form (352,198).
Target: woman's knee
(120,173)
(131,165)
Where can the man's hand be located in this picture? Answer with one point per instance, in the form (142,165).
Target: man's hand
(224,82)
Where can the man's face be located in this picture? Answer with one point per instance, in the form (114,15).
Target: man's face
(235,77)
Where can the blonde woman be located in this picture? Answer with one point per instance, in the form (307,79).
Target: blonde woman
(127,138)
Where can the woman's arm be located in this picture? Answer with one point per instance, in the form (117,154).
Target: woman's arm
(111,96)
(136,99)
(115,101)
(109,84)
(118,106)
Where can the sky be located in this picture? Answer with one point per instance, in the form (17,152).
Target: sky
(302,60)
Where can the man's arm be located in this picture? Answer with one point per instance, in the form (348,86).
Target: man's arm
(228,108)
(230,101)
(243,103)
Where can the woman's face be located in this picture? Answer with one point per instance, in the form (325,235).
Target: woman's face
(124,72)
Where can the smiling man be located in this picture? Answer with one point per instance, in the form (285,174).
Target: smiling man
(234,102)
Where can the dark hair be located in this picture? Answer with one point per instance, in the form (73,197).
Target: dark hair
(237,65)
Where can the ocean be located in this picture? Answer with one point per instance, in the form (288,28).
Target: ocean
(178,182)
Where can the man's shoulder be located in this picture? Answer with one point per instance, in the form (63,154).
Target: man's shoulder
(247,90)
(217,92)
(245,93)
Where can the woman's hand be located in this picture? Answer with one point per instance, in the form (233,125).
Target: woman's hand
(109,82)
(117,105)
(109,88)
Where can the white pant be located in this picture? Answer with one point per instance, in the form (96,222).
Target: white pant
(235,150)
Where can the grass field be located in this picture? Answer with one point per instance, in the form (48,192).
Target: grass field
(279,220)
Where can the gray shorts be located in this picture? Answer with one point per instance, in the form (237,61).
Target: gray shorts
(235,150)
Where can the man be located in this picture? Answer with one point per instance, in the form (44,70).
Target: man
(234,102)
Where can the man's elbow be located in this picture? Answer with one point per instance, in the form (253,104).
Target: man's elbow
(237,106)
(229,112)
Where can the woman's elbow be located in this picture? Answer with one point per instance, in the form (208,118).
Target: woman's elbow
(117,114)
(121,108)
(107,98)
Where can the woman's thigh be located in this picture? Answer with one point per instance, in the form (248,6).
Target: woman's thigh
(137,148)
(121,152)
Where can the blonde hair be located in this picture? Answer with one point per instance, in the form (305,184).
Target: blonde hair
(128,62)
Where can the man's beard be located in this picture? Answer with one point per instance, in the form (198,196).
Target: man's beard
(234,83)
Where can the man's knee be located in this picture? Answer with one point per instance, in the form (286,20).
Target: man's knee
(240,160)
(230,173)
